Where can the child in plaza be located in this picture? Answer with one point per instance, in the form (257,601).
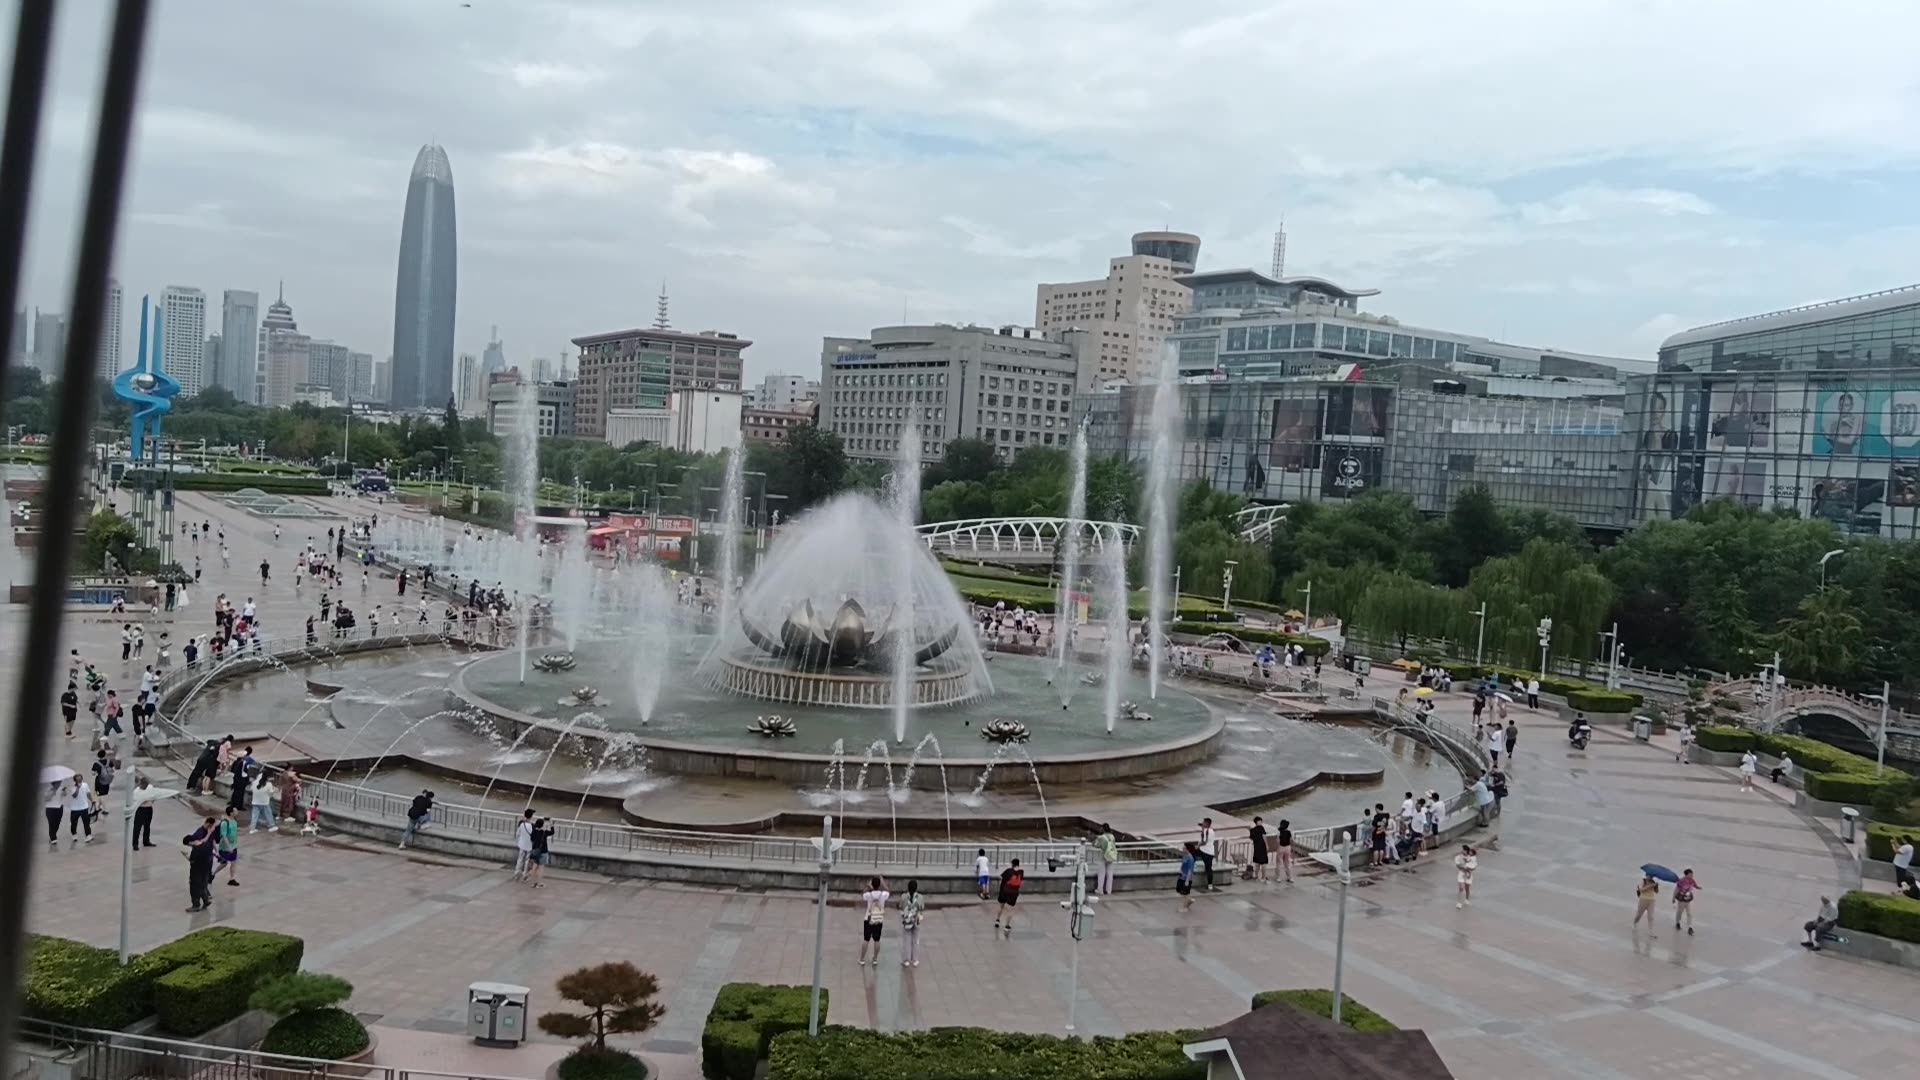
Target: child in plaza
(1184,883)
(983,870)
(1464,864)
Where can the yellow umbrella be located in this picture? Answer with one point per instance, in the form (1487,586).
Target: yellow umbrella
(1407,665)
(1425,691)
(1294,613)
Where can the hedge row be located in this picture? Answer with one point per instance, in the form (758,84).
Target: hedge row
(1886,914)
(210,973)
(743,1022)
(960,1053)
(1320,1003)
(1604,701)
(1549,684)
(1722,739)
(1314,646)
(194,983)
(1883,838)
(1831,774)
(228,482)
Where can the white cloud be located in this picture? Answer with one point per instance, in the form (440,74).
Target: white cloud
(538,75)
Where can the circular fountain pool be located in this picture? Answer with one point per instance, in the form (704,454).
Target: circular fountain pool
(693,728)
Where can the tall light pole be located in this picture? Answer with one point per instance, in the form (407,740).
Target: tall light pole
(826,845)
(137,797)
(1306,612)
(1480,643)
(1079,908)
(1880,740)
(1823,565)
(1545,631)
(1340,862)
(1613,656)
(1226,583)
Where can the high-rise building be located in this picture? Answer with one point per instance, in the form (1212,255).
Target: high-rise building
(210,356)
(423,301)
(183,336)
(783,391)
(109,363)
(49,342)
(17,348)
(1129,313)
(360,382)
(283,355)
(639,368)
(494,357)
(240,344)
(279,317)
(329,364)
(1012,387)
(383,381)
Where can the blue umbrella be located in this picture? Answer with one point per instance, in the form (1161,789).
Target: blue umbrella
(1655,870)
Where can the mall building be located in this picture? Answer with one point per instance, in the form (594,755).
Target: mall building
(1290,392)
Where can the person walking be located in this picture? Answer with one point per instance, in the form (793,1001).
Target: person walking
(70,706)
(1513,739)
(541,834)
(1108,849)
(1749,764)
(1683,891)
(80,810)
(1010,881)
(1644,896)
(55,806)
(1184,883)
(913,907)
(874,918)
(1496,742)
(104,767)
(1257,837)
(201,858)
(261,807)
(1464,864)
(1903,863)
(226,842)
(142,834)
(1204,847)
(523,845)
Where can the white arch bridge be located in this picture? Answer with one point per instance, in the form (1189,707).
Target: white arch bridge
(1021,539)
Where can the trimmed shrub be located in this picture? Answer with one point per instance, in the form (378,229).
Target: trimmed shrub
(230,482)
(959,1053)
(1882,839)
(1843,787)
(71,983)
(1315,646)
(1725,740)
(1816,756)
(210,974)
(745,1019)
(1886,914)
(327,1033)
(1604,701)
(587,1063)
(1320,1003)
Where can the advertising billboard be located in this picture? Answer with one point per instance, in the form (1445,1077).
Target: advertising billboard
(1294,443)
(1350,470)
(1852,504)
(1867,423)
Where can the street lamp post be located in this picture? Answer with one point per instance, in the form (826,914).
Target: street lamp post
(826,845)
(1613,656)
(1880,739)
(1306,612)
(1226,583)
(1480,643)
(1339,862)
(1079,908)
(1545,631)
(1823,565)
(137,797)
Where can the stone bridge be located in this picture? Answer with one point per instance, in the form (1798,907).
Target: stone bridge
(1792,703)
(1021,539)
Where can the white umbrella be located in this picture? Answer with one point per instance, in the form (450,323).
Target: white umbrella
(1504,696)
(55,774)
(139,796)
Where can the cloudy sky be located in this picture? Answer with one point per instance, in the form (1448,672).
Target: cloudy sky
(1588,174)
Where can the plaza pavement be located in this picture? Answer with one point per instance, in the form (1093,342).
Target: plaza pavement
(1540,977)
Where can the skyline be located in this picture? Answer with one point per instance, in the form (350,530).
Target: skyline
(1654,192)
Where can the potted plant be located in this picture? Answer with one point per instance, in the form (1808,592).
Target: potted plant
(311,1023)
(617,999)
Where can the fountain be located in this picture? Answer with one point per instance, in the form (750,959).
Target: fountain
(523,451)
(1063,609)
(940,761)
(906,505)
(1119,654)
(1161,509)
(652,603)
(730,528)
(572,589)
(591,720)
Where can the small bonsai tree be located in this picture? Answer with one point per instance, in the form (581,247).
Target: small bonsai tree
(618,999)
(311,1023)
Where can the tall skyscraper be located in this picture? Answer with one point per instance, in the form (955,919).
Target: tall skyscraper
(494,357)
(423,299)
(49,342)
(330,364)
(283,355)
(109,363)
(17,348)
(210,354)
(360,381)
(183,336)
(240,344)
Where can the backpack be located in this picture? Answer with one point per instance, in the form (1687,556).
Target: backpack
(1017,878)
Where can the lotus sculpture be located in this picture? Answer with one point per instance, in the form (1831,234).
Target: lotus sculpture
(583,696)
(1130,711)
(773,727)
(1091,678)
(554,662)
(1005,731)
(849,638)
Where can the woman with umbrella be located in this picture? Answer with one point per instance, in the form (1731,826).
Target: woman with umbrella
(1646,893)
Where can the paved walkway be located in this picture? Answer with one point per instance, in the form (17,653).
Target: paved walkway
(1541,977)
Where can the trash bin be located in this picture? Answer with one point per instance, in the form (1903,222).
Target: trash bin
(497,1013)
(1643,728)
(1362,665)
(1848,816)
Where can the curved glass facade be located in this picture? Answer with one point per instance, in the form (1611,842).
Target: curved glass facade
(423,298)
(1878,331)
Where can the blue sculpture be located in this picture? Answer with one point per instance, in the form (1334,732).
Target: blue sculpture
(149,389)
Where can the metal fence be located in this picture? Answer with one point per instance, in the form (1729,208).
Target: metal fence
(115,1055)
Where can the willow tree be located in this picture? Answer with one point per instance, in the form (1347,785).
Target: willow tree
(1401,608)
(1543,580)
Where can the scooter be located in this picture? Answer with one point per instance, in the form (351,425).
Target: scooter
(1579,734)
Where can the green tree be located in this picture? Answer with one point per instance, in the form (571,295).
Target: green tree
(617,999)
(967,459)
(1474,531)
(1824,639)
(813,467)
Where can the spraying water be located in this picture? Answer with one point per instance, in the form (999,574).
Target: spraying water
(1160,509)
(1118,650)
(1063,610)
(573,589)
(523,484)
(654,613)
(730,528)
(906,505)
